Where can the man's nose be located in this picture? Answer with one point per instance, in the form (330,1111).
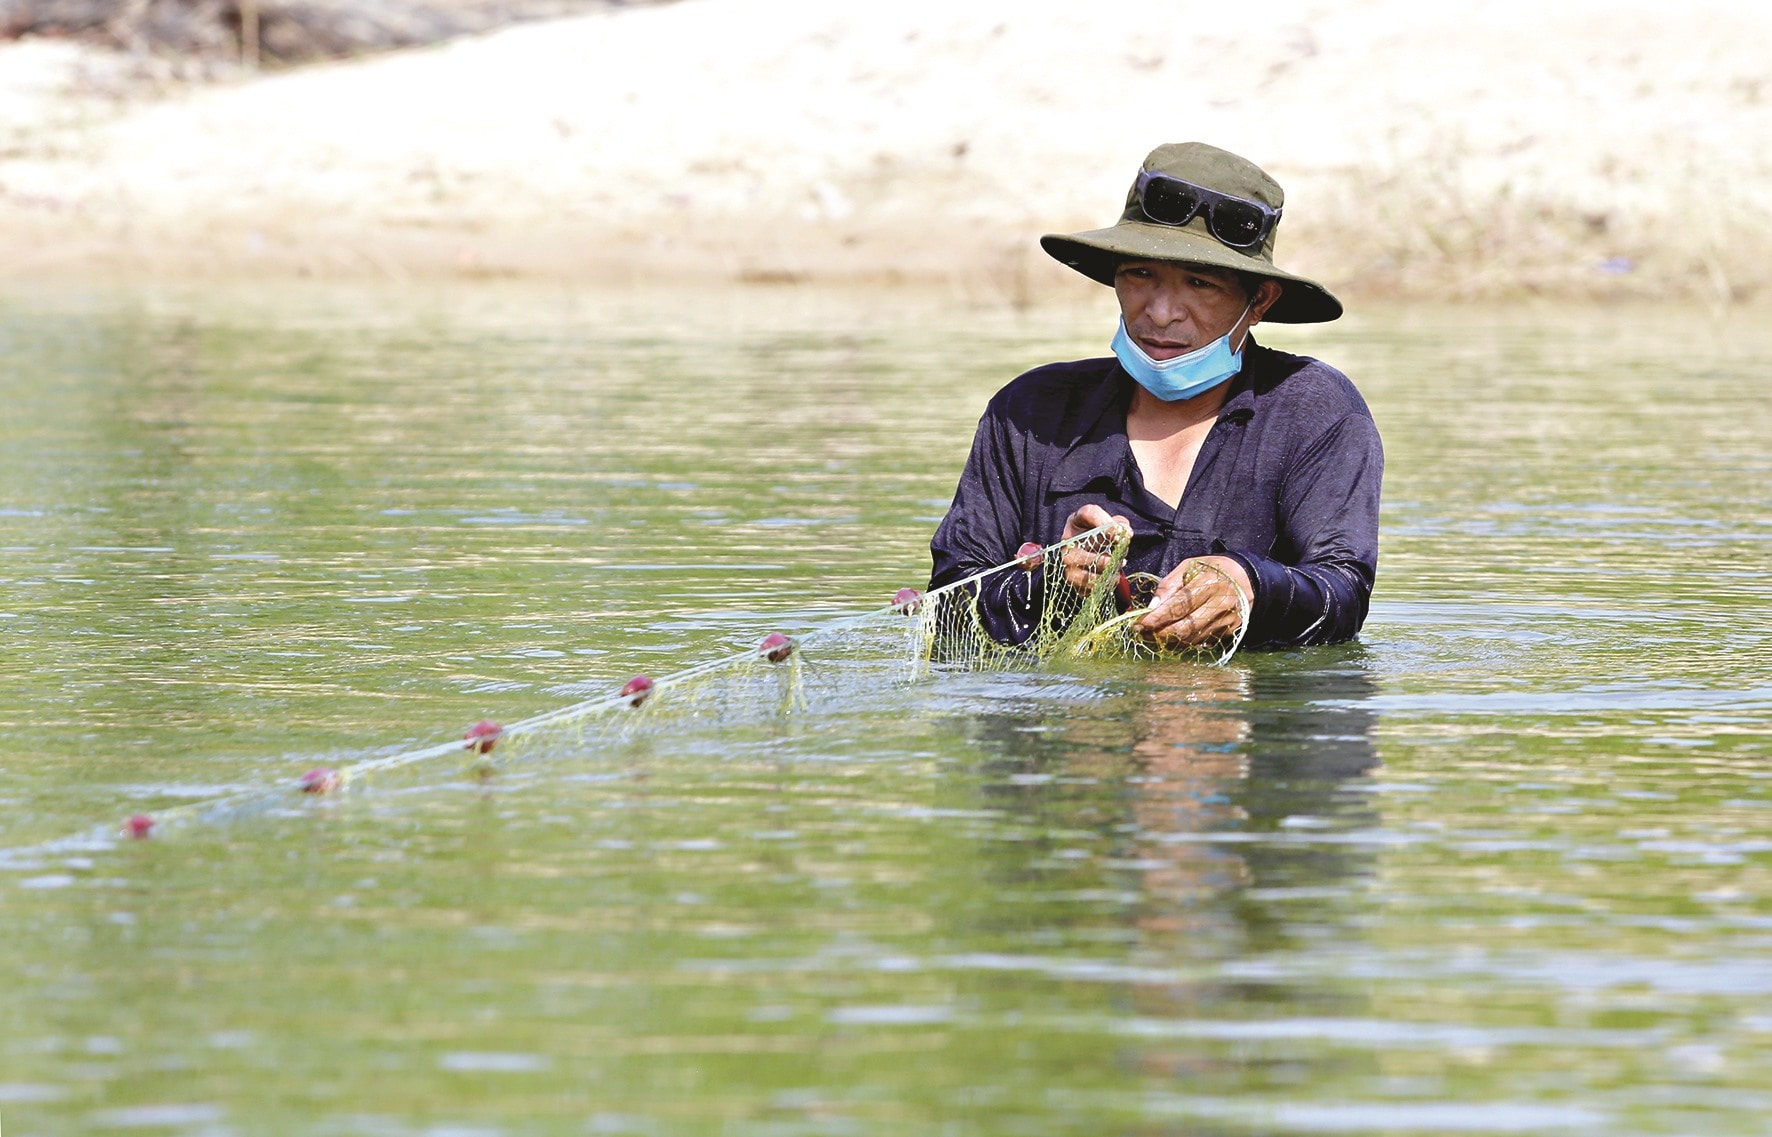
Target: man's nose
(1167,306)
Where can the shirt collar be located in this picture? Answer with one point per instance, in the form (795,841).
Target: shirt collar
(1100,449)
(1241,402)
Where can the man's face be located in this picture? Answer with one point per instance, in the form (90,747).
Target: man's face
(1172,308)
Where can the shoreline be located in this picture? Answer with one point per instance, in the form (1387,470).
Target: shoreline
(1587,159)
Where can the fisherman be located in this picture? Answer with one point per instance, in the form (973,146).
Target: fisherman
(1249,477)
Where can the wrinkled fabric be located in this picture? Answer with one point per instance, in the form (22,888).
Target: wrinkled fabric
(1286,482)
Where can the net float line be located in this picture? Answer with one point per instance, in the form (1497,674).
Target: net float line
(946,626)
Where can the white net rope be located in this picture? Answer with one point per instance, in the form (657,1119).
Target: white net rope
(1020,615)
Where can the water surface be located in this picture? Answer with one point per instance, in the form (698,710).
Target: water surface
(1500,867)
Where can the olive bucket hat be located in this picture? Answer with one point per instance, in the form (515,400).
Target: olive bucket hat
(1196,203)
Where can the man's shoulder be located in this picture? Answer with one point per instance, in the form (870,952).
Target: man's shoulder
(1303,385)
(1054,387)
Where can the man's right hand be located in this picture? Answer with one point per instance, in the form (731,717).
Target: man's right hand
(1084,563)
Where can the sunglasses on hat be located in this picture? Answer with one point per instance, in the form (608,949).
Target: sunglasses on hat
(1234,221)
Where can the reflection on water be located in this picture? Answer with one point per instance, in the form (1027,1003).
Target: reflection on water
(1205,765)
(1500,868)
(1197,780)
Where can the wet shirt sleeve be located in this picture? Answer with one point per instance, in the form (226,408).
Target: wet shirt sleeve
(1327,513)
(983,528)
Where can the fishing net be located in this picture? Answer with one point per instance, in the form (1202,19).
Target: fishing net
(1069,600)
(1066,601)
(1118,636)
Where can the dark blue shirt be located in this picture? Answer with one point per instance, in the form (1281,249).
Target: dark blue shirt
(1286,482)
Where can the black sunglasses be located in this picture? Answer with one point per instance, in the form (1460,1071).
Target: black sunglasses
(1235,221)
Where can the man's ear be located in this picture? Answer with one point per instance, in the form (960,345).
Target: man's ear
(1265,296)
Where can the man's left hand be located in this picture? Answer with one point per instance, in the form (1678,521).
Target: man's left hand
(1197,602)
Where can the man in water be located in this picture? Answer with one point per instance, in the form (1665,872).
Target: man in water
(1239,469)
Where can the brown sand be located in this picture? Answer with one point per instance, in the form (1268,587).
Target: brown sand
(1577,149)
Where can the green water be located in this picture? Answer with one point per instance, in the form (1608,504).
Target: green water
(1504,866)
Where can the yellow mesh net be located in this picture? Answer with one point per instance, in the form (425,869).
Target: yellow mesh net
(1069,601)
(1062,610)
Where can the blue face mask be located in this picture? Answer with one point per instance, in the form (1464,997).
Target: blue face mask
(1186,375)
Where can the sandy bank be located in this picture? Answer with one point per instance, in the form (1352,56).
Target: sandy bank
(1583,148)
